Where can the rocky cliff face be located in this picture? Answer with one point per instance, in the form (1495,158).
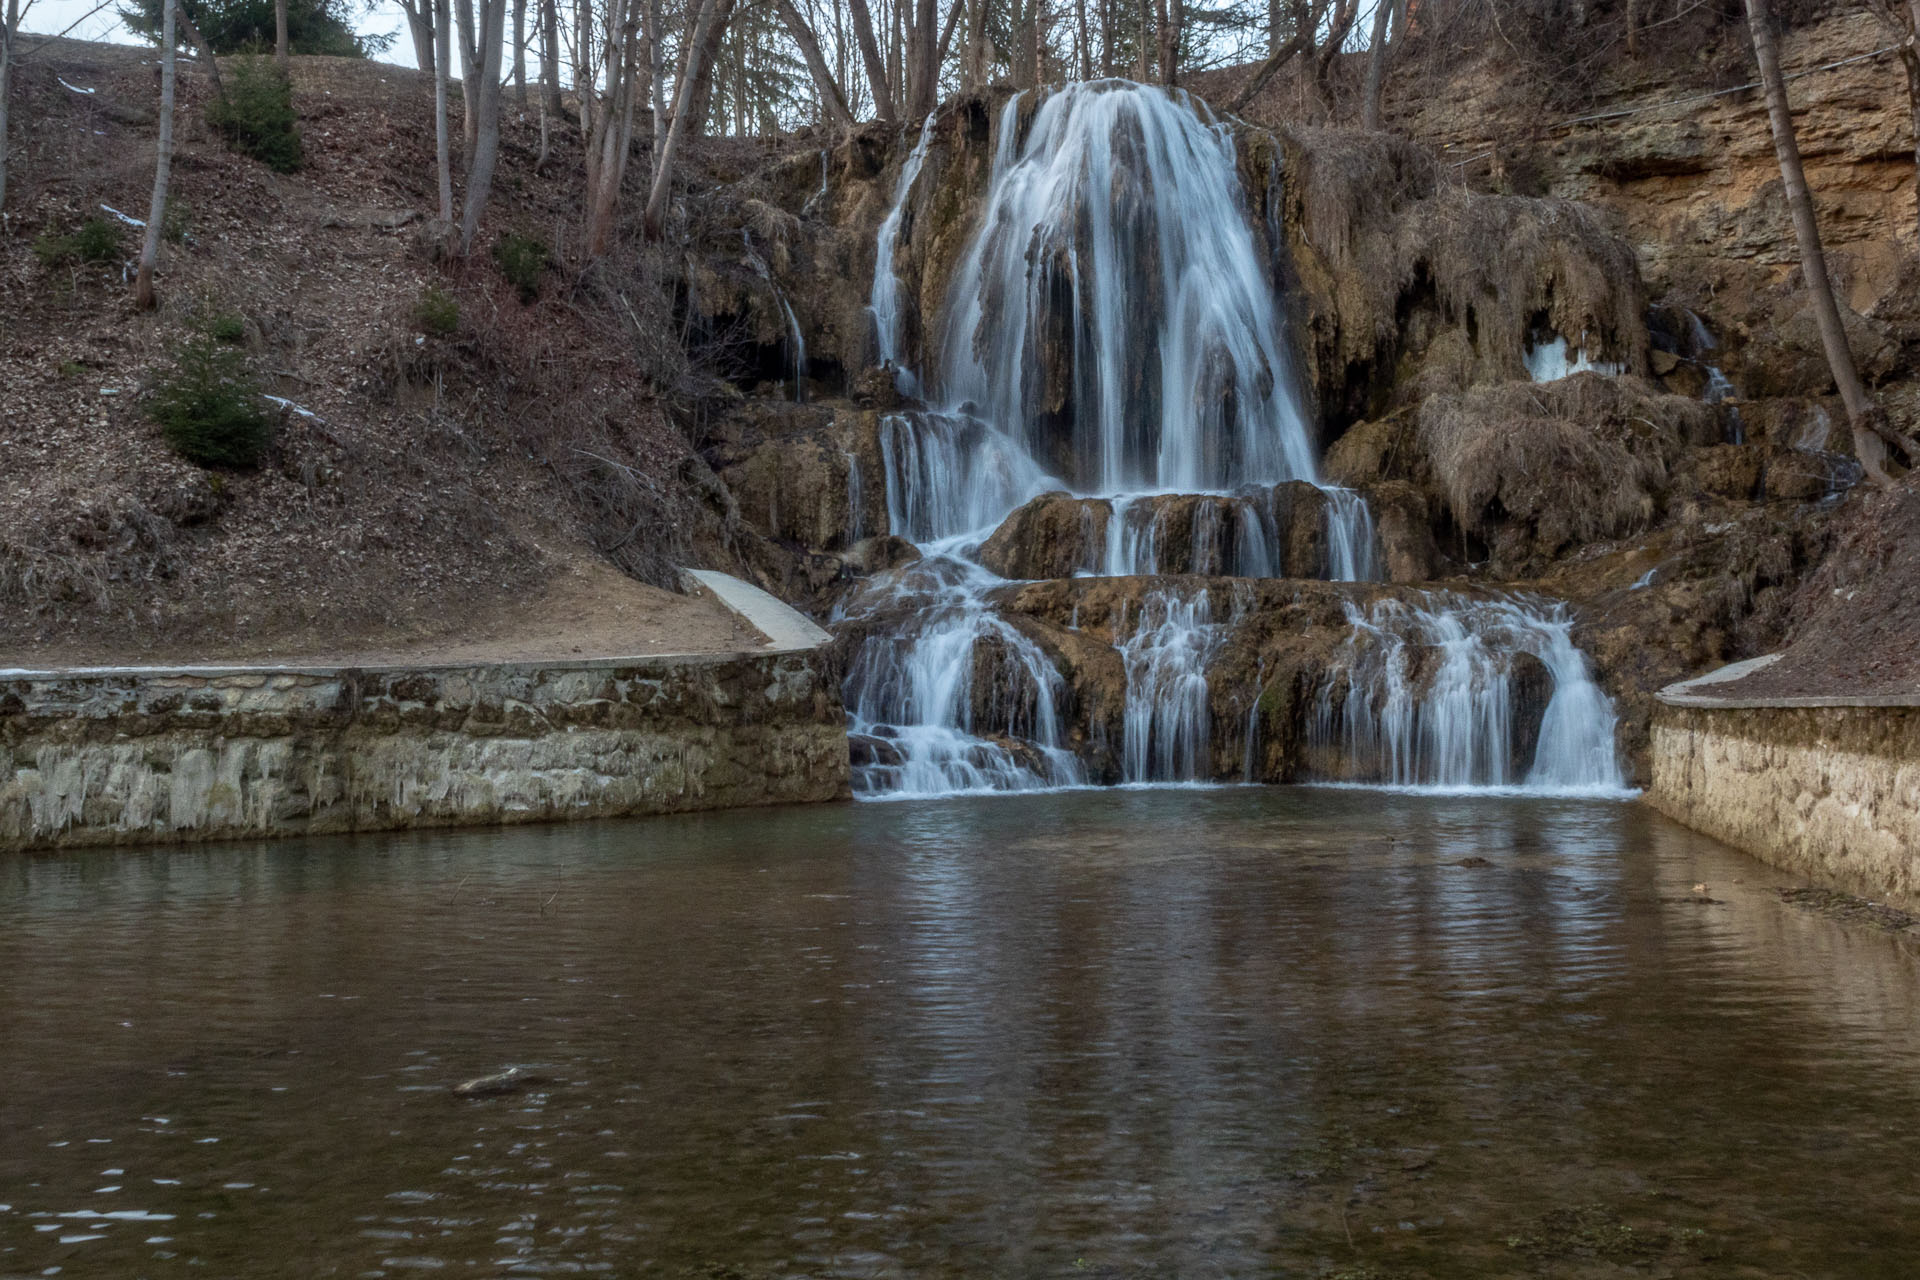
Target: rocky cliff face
(1599,392)
(1688,175)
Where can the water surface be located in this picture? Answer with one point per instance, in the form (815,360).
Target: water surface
(1259,1031)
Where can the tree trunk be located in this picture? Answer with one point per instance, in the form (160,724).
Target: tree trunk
(280,50)
(690,74)
(976,70)
(703,80)
(1861,411)
(1037,42)
(1344,13)
(1281,56)
(162,165)
(870,57)
(925,45)
(608,148)
(1143,59)
(420,31)
(520,49)
(1084,36)
(651,22)
(442,135)
(550,57)
(9,23)
(1376,67)
(832,101)
(205,50)
(469,70)
(1175,21)
(486,111)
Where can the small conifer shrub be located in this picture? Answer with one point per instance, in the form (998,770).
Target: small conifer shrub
(257,116)
(208,407)
(437,313)
(523,260)
(95,240)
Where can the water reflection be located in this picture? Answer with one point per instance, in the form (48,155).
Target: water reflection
(1253,1031)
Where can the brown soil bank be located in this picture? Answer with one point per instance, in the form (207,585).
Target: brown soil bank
(427,483)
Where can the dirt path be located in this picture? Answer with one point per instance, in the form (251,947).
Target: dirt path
(589,610)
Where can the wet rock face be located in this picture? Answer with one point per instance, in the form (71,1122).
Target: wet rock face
(1285,671)
(808,476)
(1277,531)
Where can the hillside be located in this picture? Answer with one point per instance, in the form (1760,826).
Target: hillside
(638,413)
(421,487)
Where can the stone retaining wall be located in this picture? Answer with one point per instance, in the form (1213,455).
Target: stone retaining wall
(136,756)
(1830,792)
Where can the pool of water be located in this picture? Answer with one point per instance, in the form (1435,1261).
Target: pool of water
(1260,1031)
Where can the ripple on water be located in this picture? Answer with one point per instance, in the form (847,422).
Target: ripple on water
(1154,1032)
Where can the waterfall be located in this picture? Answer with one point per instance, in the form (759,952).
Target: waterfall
(1115,267)
(1250,750)
(821,194)
(949,476)
(1350,538)
(884,304)
(1131,529)
(1553,360)
(1112,330)
(1426,698)
(856,499)
(922,708)
(1168,729)
(795,339)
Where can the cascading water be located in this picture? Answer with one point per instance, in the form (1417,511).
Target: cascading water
(884,303)
(1554,358)
(1115,255)
(796,341)
(1427,697)
(1168,726)
(1111,330)
(921,708)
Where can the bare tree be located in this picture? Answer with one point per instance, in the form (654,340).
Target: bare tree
(610,141)
(281,49)
(483,106)
(870,56)
(923,59)
(205,50)
(549,57)
(1904,19)
(703,77)
(469,71)
(442,136)
(832,100)
(1344,13)
(1385,12)
(1173,21)
(162,165)
(420,31)
(1083,38)
(9,23)
(1867,419)
(520,49)
(690,76)
(1300,41)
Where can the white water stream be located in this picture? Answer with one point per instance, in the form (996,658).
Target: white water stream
(1426,698)
(1112,330)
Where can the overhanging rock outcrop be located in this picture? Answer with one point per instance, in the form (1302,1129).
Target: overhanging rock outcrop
(1825,787)
(147,755)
